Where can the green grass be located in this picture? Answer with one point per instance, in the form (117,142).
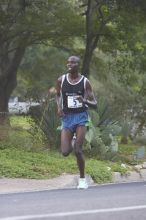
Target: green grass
(22,122)
(24,155)
(44,165)
(22,135)
(127,149)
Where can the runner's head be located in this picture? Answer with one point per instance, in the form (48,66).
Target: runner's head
(73,64)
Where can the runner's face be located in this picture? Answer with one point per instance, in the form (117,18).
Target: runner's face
(72,65)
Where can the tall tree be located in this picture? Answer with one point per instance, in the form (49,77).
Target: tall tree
(22,24)
(102,19)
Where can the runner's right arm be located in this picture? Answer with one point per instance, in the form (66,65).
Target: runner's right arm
(59,97)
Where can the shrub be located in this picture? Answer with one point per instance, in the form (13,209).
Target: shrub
(46,121)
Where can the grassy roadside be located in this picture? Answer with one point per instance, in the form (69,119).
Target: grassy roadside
(44,165)
(19,158)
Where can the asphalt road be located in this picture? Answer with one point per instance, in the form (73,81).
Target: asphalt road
(104,202)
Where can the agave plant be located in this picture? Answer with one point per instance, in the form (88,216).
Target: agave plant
(46,120)
(103,129)
(126,128)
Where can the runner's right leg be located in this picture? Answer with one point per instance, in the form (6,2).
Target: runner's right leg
(66,139)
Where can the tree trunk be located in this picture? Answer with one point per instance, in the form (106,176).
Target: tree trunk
(8,80)
(92,34)
(86,62)
(3,106)
(124,140)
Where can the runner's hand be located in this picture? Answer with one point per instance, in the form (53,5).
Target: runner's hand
(80,99)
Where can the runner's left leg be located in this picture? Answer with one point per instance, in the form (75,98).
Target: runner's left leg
(80,137)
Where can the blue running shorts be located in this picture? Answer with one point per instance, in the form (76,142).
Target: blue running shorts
(73,120)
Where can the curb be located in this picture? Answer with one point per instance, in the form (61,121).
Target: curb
(132,176)
(64,181)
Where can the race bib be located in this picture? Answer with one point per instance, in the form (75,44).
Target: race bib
(73,102)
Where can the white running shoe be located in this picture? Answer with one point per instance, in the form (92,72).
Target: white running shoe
(82,184)
(73,141)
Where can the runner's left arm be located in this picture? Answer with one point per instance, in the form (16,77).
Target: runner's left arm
(89,99)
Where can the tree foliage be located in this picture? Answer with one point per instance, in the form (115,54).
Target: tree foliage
(108,35)
(22,24)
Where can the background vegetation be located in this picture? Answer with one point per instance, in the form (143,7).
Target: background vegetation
(36,38)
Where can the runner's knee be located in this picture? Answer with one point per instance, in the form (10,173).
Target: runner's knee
(78,152)
(65,153)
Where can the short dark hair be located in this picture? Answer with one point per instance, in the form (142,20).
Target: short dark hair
(76,57)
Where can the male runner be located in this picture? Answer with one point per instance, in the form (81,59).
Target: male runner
(74,96)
